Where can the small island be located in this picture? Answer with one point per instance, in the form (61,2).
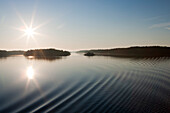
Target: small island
(89,54)
(146,51)
(46,53)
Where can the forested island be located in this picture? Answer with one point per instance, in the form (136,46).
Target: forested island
(38,53)
(46,53)
(146,51)
(4,53)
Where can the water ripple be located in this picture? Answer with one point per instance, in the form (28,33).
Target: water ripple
(133,85)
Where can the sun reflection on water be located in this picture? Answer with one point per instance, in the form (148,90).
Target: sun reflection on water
(31,80)
(30,73)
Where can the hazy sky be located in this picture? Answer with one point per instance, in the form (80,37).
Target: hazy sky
(85,24)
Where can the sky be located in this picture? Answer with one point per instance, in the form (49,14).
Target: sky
(84,24)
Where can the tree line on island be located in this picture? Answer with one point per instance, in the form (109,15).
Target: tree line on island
(4,53)
(136,51)
(145,51)
(46,53)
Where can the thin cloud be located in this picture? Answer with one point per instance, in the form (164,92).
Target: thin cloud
(161,25)
(157,17)
(168,28)
(153,18)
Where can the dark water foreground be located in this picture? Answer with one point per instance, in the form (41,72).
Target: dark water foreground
(79,84)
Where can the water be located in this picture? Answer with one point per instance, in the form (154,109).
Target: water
(79,84)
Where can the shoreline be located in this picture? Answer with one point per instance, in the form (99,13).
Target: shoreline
(134,52)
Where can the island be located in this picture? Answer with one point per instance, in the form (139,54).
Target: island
(4,53)
(89,54)
(46,53)
(136,51)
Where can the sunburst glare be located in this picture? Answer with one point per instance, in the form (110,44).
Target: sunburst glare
(29,32)
(28,29)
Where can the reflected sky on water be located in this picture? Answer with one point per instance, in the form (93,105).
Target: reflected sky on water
(84,84)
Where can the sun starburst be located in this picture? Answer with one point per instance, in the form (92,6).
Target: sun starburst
(28,29)
(29,32)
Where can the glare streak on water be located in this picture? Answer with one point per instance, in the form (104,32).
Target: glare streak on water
(79,84)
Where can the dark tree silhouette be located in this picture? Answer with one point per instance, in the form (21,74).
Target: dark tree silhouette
(46,53)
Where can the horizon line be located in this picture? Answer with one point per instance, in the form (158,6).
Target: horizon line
(85,48)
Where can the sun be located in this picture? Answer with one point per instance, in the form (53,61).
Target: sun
(30,73)
(29,32)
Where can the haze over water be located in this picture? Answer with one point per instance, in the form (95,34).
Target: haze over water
(79,84)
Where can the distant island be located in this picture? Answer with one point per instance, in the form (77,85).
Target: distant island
(4,53)
(46,53)
(146,51)
(89,54)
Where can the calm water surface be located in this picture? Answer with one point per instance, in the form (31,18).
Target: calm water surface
(79,84)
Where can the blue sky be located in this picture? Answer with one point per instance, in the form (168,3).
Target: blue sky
(85,24)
